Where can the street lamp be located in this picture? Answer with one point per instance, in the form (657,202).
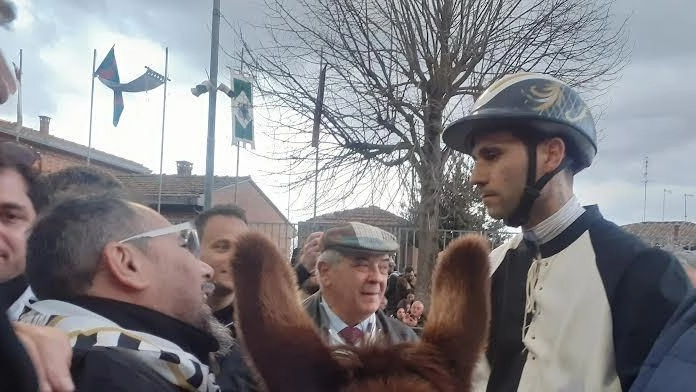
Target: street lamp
(685,196)
(664,197)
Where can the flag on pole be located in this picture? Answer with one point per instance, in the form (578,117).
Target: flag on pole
(107,72)
(242,112)
(18,76)
(319,105)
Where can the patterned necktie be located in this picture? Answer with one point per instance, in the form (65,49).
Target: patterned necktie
(351,335)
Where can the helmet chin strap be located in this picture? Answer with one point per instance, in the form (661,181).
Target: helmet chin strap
(532,189)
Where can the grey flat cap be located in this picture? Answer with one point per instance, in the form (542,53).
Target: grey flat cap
(359,237)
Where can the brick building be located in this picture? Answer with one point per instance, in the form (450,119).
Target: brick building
(57,153)
(182,198)
(668,235)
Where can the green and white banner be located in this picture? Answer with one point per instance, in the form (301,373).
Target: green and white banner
(242,112)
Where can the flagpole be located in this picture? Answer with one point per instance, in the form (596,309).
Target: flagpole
(19,96)
(212,105)
(236,176)
(91,110)
(164,111)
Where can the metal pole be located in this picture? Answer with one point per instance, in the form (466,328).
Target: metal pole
(164,111)
(685,196)
(316,177)
(212,102)
(645,188)
(91,110)
(19,96)
(236,178)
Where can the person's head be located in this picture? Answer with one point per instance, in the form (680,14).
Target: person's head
(107,247)
(20,191)
(417,308)
(353,269)
(218,228)
(410,297)
(409,274)
(77,181)
(392,266)
(21,155)
(400,313)
(529,134)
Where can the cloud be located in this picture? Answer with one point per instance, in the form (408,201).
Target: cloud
(648,112)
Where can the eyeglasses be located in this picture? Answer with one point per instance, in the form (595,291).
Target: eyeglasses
(188,237)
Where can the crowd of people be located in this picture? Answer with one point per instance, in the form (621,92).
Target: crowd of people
(102,293)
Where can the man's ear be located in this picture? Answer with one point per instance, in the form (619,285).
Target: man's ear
(323,273)
(126,264)
(552,152)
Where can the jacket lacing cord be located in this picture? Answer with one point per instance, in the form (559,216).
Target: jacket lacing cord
(532,281)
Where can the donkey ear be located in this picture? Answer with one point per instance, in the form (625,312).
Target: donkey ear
(460,305)
(281,339)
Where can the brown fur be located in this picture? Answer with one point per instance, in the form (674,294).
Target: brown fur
(289,354)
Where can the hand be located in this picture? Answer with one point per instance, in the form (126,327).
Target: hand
(7,81)
(311,250)
(51,355)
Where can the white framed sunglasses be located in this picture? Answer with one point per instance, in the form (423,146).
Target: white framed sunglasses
(188,236)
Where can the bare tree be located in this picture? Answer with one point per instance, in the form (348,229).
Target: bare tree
(398,69)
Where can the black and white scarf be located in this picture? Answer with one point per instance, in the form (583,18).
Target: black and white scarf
(87,329)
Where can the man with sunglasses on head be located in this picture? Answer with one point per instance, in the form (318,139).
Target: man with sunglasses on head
(129,289)
(352,272)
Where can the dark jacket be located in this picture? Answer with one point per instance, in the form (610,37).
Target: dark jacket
(114,369)
(671,364)
(16,371)
(235,375)
(394,330)
(391,293)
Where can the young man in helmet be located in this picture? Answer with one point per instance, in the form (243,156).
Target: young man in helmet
(576,301)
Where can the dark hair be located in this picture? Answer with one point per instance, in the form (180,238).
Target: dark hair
(229,210)
(76,181)
(36,190)
(408,269)
(65,246)
(19,154)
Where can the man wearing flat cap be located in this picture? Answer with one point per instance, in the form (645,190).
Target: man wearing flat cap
(352,272)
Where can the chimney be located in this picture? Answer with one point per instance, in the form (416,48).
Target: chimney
(44,121)
(183,168)
(675,240)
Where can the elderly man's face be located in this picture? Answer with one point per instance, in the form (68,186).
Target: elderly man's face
(356,285)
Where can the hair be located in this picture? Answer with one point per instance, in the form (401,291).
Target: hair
(36,190)
(408,269)
(77,181)
(330,257)
(65,247)
(229,210)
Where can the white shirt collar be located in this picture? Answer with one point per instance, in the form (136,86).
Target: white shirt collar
(336,325)
(554,225)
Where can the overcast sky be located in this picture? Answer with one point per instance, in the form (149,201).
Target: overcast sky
(649,111)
